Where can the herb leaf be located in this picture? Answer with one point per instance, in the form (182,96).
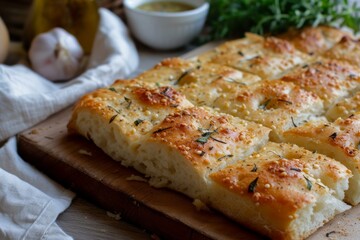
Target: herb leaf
(204,137)
(161,130)
(181,77)
(308,183)
(225,156)
(254,169)
(206,134)
(264,104)
(293,122)
(252,185)
(128,101)
(138,121)
(113,118)
(217,140)
(295,169)
(112,89)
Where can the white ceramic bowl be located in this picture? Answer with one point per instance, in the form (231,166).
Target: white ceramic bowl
(162,30)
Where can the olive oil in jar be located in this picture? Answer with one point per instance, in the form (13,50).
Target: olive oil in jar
(165,6)
(79,17)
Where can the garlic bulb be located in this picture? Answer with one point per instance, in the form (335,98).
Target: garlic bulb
(56,55)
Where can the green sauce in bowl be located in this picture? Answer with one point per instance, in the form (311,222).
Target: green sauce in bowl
(163,6)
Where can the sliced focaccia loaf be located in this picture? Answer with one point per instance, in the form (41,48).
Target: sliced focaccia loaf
(188,145)
(276,104)
(275,191)
(339,140)
(331,80)
(204,86)
(115,118)
(314,40)
(267,57)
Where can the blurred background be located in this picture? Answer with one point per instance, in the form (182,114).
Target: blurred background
(14,13)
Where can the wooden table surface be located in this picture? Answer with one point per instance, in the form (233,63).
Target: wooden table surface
(84,220)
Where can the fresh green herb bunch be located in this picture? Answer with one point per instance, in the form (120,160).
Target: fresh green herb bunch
(232,18)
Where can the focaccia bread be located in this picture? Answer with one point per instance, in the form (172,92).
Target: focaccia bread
(267,57)
(276,104)
(339,140)
(330,79)
(347,49)
(275,191)
(190,144)
(206,127)
(314,40)
(344,108)
(117,117)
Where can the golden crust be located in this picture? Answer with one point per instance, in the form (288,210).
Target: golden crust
(182,150)
(331,80)
(280,180)
(126,101)
(339,140)
(344,108)
(268,58)
(276,104)
(208,139)
(168,71)
(314,40)
(347,49)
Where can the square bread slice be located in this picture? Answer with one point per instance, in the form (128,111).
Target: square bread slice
(275,104)
(331,80)
(347,49)
(204,85)
(168,72)
(268,58)
(344,108)
(273,191)
(180,152)
(338,140)
(314,40)
(116,118)
(232,46)
(177,72)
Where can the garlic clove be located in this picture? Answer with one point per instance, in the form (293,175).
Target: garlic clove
(56,55)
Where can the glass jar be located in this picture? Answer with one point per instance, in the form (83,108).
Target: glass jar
(79,17)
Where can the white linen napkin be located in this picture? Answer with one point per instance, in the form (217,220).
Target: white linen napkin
(29,201)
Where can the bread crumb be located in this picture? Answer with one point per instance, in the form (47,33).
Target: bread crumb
(200,206)
(34,131)
(136,178)
(84,152)
(117,216)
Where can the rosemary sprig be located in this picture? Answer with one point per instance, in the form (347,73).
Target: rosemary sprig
(205,137)
(233,18)
(129,102)
(225,156)
(181,77)
(308,183)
